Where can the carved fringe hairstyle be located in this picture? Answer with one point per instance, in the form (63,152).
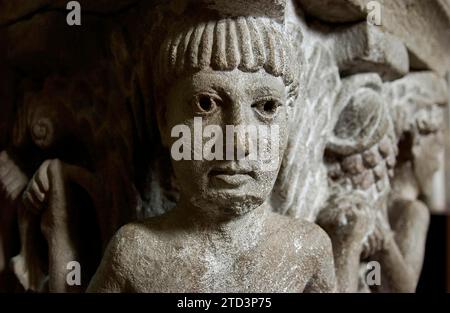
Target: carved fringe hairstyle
(180,48)
(246,43)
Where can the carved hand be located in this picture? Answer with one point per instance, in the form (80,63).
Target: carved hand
(378,238)
(347,219)
(36,192)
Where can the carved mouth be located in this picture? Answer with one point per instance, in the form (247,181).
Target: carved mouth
(231,176)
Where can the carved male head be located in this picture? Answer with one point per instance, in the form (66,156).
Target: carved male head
(211,76)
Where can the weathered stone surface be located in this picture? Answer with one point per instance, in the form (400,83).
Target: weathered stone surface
(336,11)
(269,8)
(387,171)
(423,26)
(419,100)
(369,49)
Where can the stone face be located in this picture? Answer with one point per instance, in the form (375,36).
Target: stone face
(89,170)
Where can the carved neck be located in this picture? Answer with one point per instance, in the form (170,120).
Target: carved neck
(234,229)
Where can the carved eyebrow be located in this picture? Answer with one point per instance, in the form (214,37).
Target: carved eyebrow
(213,89)
(264,91)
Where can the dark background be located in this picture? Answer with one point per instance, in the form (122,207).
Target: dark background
(434,276)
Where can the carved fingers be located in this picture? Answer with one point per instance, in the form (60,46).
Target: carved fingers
(37,190)
(347,218)
(377,239)
(12,179)
(354,221)
(373,244)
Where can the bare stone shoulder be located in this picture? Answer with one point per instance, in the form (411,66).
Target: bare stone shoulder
(136,240)
(307,239)
(132,252)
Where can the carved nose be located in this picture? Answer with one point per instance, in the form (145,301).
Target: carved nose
(237,147)
(241,144)
(238,122)
(237,116)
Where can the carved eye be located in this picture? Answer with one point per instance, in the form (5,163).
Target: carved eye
(205,104)
(267,108)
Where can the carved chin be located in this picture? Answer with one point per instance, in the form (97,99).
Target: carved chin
(226,204)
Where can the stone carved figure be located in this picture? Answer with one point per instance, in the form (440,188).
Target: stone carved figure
(231,71)
(421,156)
(359,156)
(364,162)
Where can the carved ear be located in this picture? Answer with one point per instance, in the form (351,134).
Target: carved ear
(363,120)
